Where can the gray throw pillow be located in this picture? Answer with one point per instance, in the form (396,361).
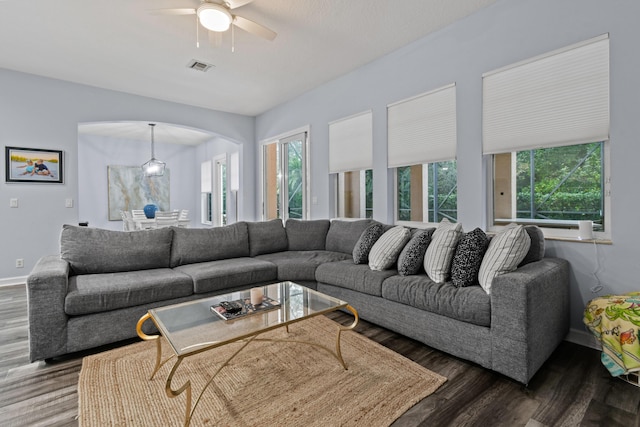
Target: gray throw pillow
(193,245)
(366,241)
(343,235)
(267,237)
(412,256)
(536,250)
(94,250)
(468,258)
(307,235)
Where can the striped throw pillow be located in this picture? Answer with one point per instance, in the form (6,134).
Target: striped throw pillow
(437,260)
(384,252)
(506,250)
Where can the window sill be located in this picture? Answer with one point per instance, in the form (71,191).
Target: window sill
(577,240)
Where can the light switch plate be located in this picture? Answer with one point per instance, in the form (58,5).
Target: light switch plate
(13,203)
(68,203)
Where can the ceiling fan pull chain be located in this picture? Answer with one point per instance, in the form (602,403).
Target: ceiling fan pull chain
(197,33)
(233,38)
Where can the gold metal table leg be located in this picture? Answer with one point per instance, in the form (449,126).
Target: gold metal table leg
(345,328)
(146,337)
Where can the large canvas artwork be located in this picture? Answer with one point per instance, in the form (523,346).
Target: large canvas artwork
(130,189)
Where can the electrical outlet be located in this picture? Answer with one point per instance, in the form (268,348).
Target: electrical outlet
(68,203)
(19,263)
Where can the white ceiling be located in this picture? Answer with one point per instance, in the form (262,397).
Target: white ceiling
(140,131)
(121,45)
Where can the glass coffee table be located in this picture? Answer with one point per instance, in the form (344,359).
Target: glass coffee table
(192,327)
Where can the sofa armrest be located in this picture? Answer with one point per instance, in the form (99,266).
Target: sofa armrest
(47,286)
(529,316)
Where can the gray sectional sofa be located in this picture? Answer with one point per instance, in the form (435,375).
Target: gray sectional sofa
(96,289)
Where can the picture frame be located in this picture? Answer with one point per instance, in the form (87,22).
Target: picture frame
(129,188)
(33,165)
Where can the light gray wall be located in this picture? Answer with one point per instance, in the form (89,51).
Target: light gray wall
(38,112)
(508,31)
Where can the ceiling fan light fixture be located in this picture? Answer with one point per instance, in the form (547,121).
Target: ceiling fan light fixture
(214,17)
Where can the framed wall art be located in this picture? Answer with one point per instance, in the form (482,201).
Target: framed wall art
(130,189)
(33,165)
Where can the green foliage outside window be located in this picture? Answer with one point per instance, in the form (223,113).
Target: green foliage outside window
(441,192)
(567,183)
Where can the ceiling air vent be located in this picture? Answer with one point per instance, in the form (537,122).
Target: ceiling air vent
(199,66)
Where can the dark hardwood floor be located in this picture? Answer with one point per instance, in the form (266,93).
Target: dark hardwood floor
(571,389)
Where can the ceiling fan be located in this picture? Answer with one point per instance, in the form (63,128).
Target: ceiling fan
(216,15)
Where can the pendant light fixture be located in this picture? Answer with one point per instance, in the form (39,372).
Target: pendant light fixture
(153,167)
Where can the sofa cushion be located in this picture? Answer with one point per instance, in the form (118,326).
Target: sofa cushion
(94,250)
(191,245)
(437,259)
(468,257)
(301,265)
(94,293)
(366,241)
(228,273)
(411,259)
(307,235)
(506,250)
(343,235)
(469,304)
(536,250)
(386,249)
(357,277)
(266,237)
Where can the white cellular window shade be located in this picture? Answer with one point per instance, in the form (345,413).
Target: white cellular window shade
(205,177)
(422,129)
(561,98)
(350,143)
(234,175)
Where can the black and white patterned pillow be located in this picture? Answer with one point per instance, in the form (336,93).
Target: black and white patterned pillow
(366,241)
(412,256)
(468,258)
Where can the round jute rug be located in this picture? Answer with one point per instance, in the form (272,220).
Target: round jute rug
(268,383)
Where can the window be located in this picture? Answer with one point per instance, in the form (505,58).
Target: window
(285,178)
(552,187)
(213,191)
(351,159)
(355,194)
(422,142)
(205,192)
(427,193)
(220,182)
(546,126)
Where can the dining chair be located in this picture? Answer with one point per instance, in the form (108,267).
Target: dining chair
(166,218)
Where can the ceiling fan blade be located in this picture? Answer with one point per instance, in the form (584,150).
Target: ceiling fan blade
(254,28)
(234,4)
(184,11)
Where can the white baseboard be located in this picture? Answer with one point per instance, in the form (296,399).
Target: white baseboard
(11,281)
(583,338)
